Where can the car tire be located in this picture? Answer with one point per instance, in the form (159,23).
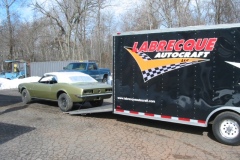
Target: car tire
(26,98)
(96,103)
(104,80)
(226,128)
(64,102)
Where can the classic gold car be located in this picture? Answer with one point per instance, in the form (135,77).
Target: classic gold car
(66,88)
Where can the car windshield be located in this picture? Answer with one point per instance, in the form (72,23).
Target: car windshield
(77,66)
(77,79)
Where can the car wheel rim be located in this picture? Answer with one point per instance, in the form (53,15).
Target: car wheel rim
(24,95)
(104,80)
(229,129)
(64,102)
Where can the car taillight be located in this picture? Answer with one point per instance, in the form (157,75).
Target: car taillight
(108,90)
(88,92)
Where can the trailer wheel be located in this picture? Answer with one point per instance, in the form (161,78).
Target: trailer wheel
(64,102)
(26,98)
(96,103)
(226,128)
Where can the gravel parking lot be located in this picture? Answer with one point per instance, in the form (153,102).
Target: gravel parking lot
(40,131)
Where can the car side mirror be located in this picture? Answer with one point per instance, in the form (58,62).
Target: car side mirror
(64,68)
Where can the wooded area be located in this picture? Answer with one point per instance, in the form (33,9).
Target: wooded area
(82,29)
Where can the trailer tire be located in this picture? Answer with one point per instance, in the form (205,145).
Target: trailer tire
(226,128)
(64,102)
(26,98)
(96,103)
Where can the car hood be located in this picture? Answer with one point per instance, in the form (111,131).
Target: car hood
(91,85)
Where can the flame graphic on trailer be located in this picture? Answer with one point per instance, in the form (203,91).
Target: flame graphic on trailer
(151,68)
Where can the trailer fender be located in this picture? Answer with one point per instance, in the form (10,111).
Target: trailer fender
(217,111)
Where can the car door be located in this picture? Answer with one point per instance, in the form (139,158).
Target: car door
(43,89)
(93,71)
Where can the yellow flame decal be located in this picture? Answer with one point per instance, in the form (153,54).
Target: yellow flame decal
(153,63)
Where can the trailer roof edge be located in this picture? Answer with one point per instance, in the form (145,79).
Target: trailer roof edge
(189,28)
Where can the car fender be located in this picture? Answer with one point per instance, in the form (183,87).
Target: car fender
(68,91)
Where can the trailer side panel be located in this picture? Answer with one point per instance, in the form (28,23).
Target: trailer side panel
(182,75)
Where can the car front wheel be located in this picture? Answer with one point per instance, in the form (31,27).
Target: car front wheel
(226,128)
(64,102)
(26,98)
(96,103)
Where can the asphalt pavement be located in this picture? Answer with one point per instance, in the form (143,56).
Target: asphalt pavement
(40,131)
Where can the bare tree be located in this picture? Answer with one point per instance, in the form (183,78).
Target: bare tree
(34,41)
(202,11)
(7,4)
(82,29)
(140,17)
(226,11)
(66,17)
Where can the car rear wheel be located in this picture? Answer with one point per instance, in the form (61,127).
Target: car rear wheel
(96,103)
(65,103)
(26,98)
(226,128)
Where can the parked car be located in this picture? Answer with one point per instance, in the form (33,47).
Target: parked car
(90,68)
(66,88)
